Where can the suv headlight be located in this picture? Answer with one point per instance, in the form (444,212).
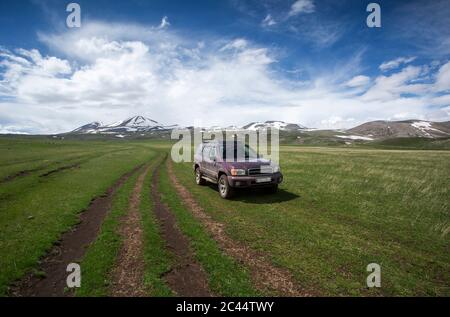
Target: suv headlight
(275,168)
(237,171)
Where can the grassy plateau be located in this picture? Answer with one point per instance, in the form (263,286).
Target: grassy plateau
(338,210)
(36,209)
(341,209)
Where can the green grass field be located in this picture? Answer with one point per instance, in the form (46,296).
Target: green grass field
(100,256)
(36,210)
(341,209)
(338,210)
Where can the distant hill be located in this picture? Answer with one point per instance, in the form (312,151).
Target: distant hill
(402,129)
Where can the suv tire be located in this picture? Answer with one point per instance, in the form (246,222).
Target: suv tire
(198,177)
(225,190)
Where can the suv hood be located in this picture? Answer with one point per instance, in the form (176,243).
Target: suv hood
(248,164)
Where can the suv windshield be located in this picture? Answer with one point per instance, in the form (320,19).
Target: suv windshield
(237,151)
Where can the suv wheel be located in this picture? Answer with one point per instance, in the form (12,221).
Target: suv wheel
(198,177)
(225,190)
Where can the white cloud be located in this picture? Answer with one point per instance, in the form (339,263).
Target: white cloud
(358,81)
(98,39)
(268,21)
(164,23)
(12,130)
(107,72)
(317,32)
(237,44)
(394,86)
(302,6)
(443,78)
(396,63)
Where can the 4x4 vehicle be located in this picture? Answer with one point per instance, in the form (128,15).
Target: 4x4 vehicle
(233,165)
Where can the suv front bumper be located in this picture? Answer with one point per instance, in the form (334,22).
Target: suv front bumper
(251,181)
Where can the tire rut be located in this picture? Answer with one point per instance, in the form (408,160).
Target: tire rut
(69,249)
(79,160)
(128,273)
(265,276)
(60,169)
(186,277)
(19,174)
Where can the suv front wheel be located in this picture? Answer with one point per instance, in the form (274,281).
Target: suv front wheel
(198,177)
(225,190)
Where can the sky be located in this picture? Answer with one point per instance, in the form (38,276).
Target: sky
(222,62)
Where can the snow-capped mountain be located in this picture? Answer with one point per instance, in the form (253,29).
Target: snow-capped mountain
(87,128)
(401,129)
(136,124)
(257,126)
(143,125)
(281,125)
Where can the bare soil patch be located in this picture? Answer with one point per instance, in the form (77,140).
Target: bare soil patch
(265,276)
(186,277)
(69,249)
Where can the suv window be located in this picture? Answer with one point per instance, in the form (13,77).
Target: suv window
(212,153)
(199,150)
(237,150)
(206,150)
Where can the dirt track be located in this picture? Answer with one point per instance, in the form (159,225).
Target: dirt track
(187,277)
(69,249)
(129,270)
(265,276)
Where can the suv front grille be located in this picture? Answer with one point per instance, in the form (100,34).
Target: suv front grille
(260,170)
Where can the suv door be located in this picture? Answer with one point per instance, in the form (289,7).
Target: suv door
(213,165)
(206,164)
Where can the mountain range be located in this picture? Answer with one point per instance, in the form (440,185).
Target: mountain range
(374,130)
(143,125)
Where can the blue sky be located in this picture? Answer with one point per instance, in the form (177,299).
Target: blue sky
(222,62)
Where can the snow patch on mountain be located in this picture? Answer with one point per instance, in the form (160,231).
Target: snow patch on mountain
(425,127)
(280,125)
(354,137)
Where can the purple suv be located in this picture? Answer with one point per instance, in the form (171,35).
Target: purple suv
(233,165)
